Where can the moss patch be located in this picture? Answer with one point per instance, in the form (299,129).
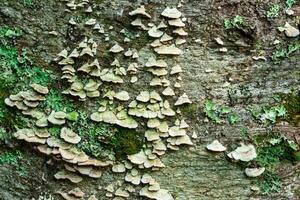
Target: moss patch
(292,105)
(127,142)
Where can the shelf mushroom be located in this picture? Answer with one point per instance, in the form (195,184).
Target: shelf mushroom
(216,146)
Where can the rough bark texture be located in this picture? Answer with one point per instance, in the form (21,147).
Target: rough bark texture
(190,173)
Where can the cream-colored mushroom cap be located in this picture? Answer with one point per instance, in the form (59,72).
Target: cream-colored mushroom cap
(161,194)
(69,136)
(162,25)
(180,41)
(244,153)
(168,92)
(180,31)
(138,22)
(254,172)
(168,50)
(156,82)
(116,48)
(291,31)
(39,88)
(156,43)
(183,99)
(91,22)
(158,71)
(54,119)
(138,158)
(176,22)
(144,96)
(118,168)
(74,178)
(122,96)
(152,135)
(175,70)
(63,53)
(172,13)
(140,11)
(77,192)
(154,32)
(166,38)
(216,146)
(122,193)
(156,63)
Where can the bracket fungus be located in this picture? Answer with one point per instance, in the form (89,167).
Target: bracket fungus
(69,136)
(168,50)
(84,74)
(180,32)
(39,88)
(290,31)
(32,136)
(254,172)
(161,194)
(168,92)
(171,13)
(155,32)
(183,99)
(57,118)
(156,63)
(144,96)
(140,11)
(175,70)
(122,96)
(244,153)
(74,178)
(116,49)
(176,22)
(118,168)
(216,146)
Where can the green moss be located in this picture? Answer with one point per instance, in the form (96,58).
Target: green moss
(13,158)
(127,142)
(95,137)
(189,110)
(274,148)
(54,131)
(57,102)
(292,104)
(274,11)
(141,41)
(269,183)
(218,113)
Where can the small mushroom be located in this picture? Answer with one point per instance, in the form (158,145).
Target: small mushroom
(254,172)
(122,96)
(69,136)
(155,32)
(116,48)
(74,178)
(171,13)
(119,168)
(144,96)
(140,11)
(244,153)
(156,63)
(176,22)
(216,146)
(180,32)
(291,31)
(183,99)
(168,50)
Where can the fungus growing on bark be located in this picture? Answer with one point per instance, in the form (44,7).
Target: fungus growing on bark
(216,146)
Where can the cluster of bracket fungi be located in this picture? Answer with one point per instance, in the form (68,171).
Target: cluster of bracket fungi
(158,105)
(155,109)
